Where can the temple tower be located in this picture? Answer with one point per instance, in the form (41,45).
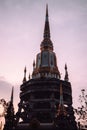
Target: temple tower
(43,94)
(40,95)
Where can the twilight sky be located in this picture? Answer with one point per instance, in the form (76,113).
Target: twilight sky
(21,32)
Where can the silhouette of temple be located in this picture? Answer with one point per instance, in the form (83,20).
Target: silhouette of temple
(45,99)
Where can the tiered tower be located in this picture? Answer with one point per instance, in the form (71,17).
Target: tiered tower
(46,62)
(40,96)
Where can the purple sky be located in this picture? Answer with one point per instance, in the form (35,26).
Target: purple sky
(21,32)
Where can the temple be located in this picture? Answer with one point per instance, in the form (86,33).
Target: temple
(45,99)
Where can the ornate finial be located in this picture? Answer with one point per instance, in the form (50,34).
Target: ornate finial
(66,74)
(12,94)
(24,80)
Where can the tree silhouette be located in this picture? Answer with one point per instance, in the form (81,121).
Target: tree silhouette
(82,110)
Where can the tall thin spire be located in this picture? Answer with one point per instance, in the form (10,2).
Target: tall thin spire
(12,94)
(47,28)
(46,43)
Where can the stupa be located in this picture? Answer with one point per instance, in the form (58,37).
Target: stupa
(45,99)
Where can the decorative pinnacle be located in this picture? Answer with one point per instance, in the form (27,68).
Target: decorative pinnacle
(66,74)
(24,79)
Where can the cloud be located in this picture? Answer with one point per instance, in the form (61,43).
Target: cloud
(5,88)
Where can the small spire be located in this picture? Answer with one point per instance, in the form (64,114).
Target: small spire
(66,74)
(24,79)
(61,105)
(12,94)
(61,109)
(65,66)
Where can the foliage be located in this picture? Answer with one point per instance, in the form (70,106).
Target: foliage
(82,110)
(4,105)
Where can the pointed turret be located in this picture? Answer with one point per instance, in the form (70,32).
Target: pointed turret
(24,79)
(46,43)
(66,74)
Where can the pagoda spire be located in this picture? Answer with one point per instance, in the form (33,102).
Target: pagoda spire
(46,43)
(46,28)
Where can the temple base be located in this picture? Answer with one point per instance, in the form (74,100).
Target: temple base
(42,126)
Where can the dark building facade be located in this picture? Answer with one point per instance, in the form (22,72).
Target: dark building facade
(45,99)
